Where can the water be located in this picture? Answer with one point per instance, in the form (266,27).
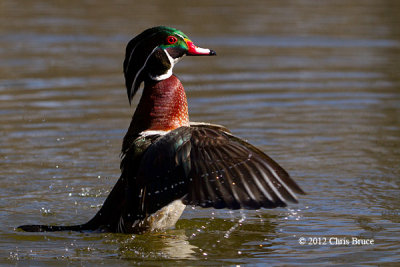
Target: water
(314,84)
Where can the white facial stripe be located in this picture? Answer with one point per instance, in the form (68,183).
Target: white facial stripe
(168,74)
(183,38)
(130,56)
(171,60)
(140,70)
(162,76)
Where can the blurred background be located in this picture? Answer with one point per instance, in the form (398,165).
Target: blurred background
(314,84)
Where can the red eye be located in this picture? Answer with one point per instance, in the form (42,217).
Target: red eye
(171,39)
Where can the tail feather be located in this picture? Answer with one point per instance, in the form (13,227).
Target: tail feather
(51,228)
(106,219)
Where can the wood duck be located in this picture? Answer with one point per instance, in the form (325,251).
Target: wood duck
(169,162)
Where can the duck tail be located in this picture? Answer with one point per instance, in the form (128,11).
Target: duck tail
(53,228)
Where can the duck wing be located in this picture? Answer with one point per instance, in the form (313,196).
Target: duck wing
(206,166)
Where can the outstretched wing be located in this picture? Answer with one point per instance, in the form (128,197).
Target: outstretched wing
(206,166)
(202,165)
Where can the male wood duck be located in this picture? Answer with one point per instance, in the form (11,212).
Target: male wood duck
(169,162)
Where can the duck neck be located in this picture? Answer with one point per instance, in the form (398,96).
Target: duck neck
(162,107)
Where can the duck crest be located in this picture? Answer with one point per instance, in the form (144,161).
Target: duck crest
(153,54)
(167,162)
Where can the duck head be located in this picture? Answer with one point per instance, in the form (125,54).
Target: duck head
(152,55)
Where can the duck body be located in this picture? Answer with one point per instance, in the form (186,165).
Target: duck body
(169,162)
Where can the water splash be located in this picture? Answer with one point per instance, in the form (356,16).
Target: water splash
(293,214)
(236,225)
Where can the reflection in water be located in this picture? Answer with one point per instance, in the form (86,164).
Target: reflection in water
(171,245)
(315,85)
(178,247)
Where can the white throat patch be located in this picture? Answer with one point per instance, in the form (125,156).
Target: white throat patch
(168,74)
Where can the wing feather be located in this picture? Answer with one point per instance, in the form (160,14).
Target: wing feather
(249,176)
(205,165)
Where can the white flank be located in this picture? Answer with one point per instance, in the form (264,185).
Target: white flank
(167,216)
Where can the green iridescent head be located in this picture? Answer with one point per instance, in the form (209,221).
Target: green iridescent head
(153,54)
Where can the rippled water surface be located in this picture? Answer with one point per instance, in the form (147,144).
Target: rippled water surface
(315,84)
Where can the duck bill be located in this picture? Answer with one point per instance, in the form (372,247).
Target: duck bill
(198,51)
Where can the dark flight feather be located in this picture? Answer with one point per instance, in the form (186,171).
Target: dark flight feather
(202,165)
